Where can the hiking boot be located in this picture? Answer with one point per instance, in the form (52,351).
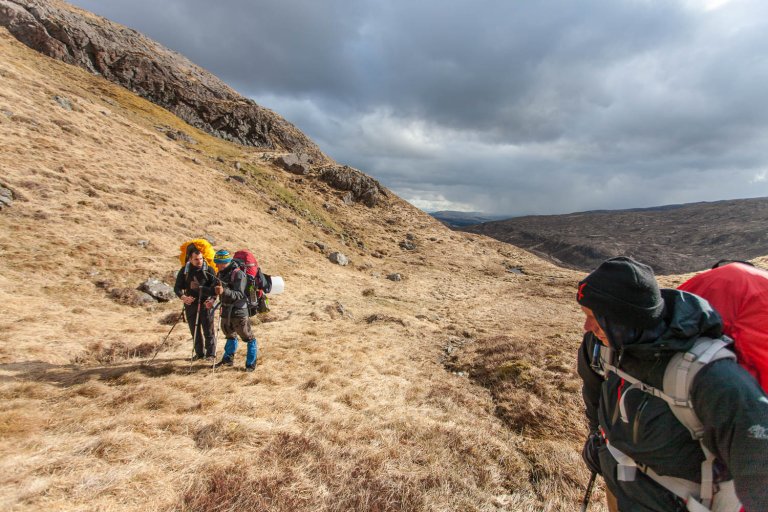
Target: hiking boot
(195,358)
(210,357)
(225,361)
(250,368)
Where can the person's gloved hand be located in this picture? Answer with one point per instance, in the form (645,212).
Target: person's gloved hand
(590,451)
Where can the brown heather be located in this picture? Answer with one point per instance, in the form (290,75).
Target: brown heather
(453,389)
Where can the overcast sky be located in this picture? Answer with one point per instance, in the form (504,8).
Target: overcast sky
(500,106)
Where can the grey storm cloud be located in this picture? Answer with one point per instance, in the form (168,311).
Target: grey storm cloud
(503,107)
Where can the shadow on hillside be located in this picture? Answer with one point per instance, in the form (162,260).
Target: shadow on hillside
(66,375)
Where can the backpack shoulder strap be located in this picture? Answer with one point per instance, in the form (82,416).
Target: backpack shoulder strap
(681,372)
(678,380)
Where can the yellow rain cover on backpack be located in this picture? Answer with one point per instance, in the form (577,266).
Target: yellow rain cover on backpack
(205,248)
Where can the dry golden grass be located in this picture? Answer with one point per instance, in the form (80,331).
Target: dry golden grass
(352,406)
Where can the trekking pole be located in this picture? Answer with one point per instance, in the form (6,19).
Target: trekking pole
(197,326)
(181,315)
(588,494)
(215,334)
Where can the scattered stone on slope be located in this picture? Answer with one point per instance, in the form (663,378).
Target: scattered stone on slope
(378,317)
(6,197)
(132,60)
(157,289)
(179,135)
(235,177)
(131,297)
(63,102)
(450,347)
(408,245)
(338,309)
(295,163)
(362,188)
(143,243)
(338,258)
(395,277)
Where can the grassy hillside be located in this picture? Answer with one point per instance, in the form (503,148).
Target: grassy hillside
(452,389)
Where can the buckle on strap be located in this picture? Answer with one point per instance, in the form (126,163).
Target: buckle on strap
(690,357)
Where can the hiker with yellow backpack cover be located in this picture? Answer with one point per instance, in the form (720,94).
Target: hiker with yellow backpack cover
(676,423)
(195,284)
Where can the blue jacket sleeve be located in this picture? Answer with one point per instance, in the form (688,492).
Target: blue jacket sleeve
(734,411)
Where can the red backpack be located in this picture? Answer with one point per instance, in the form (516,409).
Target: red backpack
(739,292)
(249,260)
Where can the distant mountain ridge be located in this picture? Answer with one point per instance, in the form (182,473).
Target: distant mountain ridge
(456,219)
(673,239)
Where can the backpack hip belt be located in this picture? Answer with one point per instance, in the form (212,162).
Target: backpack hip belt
(725,499)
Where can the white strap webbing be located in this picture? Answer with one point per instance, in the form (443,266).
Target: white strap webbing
(677,486)
(636,384)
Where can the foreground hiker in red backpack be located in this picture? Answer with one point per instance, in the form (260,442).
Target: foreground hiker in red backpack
(652,361)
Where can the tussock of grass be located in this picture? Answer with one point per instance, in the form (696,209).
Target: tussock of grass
(16,423)
(115,352)
(531,383)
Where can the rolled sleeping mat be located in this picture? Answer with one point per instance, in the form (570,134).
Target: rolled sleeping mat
(278,286)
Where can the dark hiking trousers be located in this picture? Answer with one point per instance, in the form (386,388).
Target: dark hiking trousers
(232,326)
(204,331)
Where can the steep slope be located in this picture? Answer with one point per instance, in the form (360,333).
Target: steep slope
(674,239)
(452,389)
(152,71)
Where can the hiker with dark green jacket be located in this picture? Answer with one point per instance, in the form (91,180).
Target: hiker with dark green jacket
(648,457)
(234,310)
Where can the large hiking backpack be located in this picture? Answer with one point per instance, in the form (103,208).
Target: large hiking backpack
(205,248)
(258,284)
(739,292)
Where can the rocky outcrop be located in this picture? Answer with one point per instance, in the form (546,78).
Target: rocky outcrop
(152,71)
(157,289)
(363,188)
(299,164)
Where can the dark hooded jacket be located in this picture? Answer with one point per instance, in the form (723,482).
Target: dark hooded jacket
(234,302)
(728,401)
(204,276)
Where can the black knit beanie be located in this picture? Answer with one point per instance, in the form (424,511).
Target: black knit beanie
(624,291)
